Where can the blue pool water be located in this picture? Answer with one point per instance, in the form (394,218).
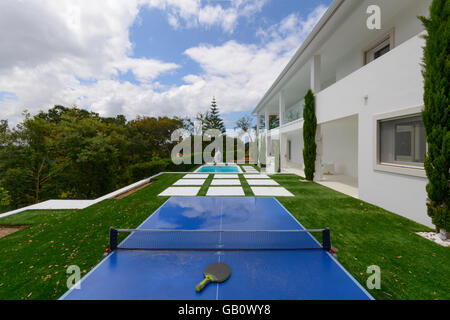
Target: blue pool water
(219,169)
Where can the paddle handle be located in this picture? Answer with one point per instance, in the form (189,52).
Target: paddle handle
(203,284)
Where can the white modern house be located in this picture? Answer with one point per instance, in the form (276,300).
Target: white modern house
(369,94)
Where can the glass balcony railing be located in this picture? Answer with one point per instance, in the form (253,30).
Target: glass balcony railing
(274,122)
(294,113)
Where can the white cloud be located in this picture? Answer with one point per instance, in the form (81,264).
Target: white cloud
(49,49)
(145,70)
(195,13)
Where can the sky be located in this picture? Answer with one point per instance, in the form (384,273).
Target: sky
(147,57)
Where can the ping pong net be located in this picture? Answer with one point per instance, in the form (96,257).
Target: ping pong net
(219,240)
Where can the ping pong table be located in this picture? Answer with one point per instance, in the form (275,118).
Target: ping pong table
(254,236)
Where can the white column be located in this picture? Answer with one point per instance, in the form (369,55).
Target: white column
(266,120)
(315,74)
(258,143)
(258,123)
(267,127)
(282,107)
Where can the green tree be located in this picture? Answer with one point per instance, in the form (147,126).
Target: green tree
(40,153)
(3,131)
(309,136)
(58,112)
(3,126)
(93,150)
(155,134)
(5,199)
(245,125)
(436,113)
(212,119)
(98,162)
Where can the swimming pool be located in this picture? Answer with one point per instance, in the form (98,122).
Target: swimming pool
(219,169)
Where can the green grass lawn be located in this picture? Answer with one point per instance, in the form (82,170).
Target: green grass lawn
(34,260)
(205,186)
(411,267)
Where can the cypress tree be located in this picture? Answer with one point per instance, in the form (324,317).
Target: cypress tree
(309,136)
(436,112)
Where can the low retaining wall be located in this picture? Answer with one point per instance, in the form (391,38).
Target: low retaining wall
(79,204)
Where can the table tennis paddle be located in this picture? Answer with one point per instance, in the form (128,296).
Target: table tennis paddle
(216,272)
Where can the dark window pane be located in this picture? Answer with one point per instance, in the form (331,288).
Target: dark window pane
(403,144)
(402,141)
(382,51)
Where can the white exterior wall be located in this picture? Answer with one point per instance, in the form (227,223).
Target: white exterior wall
(402,194)
(392,82)
(351,63)
(296,138)
(405,25)
(340,145)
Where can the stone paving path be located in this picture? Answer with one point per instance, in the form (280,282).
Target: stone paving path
(227,185)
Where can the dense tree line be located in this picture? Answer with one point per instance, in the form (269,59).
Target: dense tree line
(73,153)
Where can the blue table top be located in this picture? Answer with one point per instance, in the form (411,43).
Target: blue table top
(256,275)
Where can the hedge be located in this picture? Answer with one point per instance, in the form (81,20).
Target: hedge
(147,169)
(436,115)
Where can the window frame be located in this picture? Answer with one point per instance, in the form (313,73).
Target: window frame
(390,35)
(399,168)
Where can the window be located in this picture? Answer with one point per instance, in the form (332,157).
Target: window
(289,147)
(262,121)
(378,51)
(402,141)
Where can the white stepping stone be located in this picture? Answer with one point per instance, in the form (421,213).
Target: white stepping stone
(226,176)
(196,176)
(256,176)
(180,192)
(271,192)
(190,182)
(225,182)
(225,191)
(263,182)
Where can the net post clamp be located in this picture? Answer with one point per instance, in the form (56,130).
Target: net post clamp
(326,240)
(113,239)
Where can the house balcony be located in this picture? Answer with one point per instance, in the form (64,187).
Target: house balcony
(363,87)
(389,82)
